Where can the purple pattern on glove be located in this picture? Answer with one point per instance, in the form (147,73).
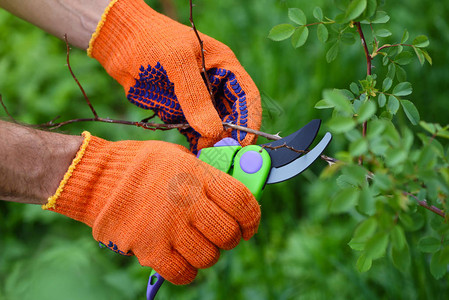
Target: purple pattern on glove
(153,90)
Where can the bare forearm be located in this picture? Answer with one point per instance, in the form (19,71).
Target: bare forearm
(33,162)
(76,18)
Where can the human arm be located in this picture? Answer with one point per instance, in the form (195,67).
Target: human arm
(33,162)
(76,18)
(151,199)
(158,62)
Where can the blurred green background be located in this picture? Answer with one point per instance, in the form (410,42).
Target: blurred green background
(301,249)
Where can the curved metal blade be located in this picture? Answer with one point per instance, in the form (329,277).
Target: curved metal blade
(299,140)
(300,164)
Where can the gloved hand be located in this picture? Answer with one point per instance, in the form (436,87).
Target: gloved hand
(157,201)
(158,62)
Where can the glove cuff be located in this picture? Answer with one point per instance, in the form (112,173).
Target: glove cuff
(51,202)
(73,198)
(115,43)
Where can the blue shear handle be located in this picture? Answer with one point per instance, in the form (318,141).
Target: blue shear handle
(250,165)
(154,283)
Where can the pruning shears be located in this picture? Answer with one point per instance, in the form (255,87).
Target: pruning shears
(259,165)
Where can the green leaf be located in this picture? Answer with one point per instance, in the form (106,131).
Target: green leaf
(345,181)
(365,229)
(356,173)
(437,268)
(387,83)
(300,36)
(383,33)
(355,9)
(323,104)
(397,236)
(371,7)
(281,32)
(297,16)
(403,58)
(347,38)
(322,33)
(401,258)
(363,232)
(358,147)
(344,200)
(421,41)
(391,71)
(382,181)
(318,13)
(381,100)
(427,56)
(393,104)
(332,53)
(405,37)
(340,124)
(401,75)
(380,17)
(429,244)
(364,263)
(394,157)
(376,246)
(375,129)
(411,111)
(336,98)
(366,111)
(402,89)
(354,88)
(412,221)
(347,93)
(420,55)
(366,203)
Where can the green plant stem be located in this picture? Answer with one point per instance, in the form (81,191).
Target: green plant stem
(395,45)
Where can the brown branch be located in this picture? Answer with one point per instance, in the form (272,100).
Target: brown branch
(365,48)
(273,137)
(6,110)
(146,125)
(424,204)
(285,146)
(368,72)
(203,60)
(76,79)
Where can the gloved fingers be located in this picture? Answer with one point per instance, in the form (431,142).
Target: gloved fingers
(216,225)
(195,100)
(235,199)
(238,97)
(171,265)
(195,247)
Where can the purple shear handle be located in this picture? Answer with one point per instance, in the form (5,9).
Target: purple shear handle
(154,283)
(156,280)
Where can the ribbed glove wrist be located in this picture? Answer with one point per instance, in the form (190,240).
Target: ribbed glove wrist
(157,201)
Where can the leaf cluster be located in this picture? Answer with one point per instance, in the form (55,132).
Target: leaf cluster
(391,174)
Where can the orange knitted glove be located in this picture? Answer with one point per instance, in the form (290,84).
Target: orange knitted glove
(158,62)
(157,201)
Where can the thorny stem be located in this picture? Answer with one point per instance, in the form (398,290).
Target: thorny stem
(76,80)
(203,60)
(424,204)
(51,125)
(6,110)
(368,72)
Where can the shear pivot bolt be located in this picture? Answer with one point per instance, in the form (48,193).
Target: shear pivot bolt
(251,162)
